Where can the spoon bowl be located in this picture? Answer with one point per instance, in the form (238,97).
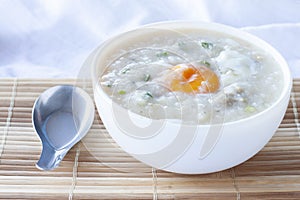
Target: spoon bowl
(61,116)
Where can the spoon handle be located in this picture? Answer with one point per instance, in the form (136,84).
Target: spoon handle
(50,158)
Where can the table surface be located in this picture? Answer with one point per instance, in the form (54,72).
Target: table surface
(97,168)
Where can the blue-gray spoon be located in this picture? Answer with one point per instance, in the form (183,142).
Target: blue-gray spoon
(61,116)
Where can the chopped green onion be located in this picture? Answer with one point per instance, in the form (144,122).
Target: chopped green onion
(107,84)
(162,54)
(206,45)
(125,70)
(148,94)
(165,54)
(204,62)
(250,109)
(181,43)
(147,77)
(122,92)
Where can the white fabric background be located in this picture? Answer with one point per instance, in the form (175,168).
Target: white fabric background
(52,38)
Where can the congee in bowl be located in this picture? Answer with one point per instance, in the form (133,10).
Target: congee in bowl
(177,74)
(190,97)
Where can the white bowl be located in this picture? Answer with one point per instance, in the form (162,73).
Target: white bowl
(172,145)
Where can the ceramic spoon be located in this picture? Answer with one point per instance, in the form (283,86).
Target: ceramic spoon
(61,116)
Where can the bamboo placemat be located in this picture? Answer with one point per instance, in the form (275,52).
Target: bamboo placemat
(274,173)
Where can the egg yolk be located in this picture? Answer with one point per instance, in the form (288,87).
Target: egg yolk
(189,79)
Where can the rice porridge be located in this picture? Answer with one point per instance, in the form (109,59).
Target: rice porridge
(194,77)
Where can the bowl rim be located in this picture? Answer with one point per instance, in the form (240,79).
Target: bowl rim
(210,26)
